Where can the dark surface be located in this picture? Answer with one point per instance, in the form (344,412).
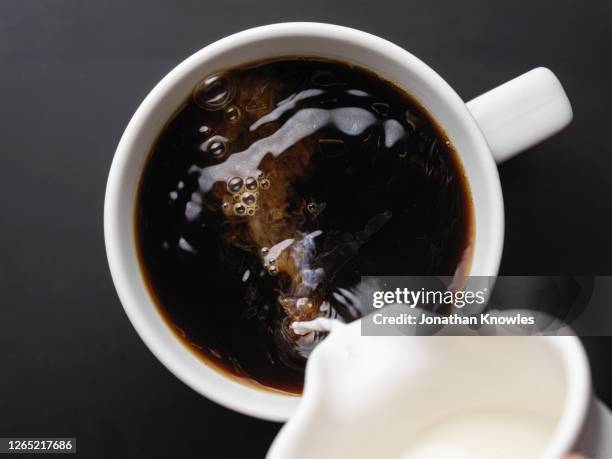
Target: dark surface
(71,75)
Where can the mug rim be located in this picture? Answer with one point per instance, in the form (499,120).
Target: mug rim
(114,229)
(577,398)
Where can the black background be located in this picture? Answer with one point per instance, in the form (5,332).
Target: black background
(71,75)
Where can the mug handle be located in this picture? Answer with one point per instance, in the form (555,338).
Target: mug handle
(522,112)
(595,442)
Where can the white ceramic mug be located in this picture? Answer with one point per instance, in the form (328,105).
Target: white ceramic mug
(459,397)
(491,128)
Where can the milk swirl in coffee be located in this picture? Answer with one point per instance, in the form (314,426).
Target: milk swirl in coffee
(273,189)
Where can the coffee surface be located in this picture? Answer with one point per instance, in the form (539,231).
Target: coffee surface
(273,189)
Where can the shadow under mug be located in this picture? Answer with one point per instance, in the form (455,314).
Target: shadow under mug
(490,128)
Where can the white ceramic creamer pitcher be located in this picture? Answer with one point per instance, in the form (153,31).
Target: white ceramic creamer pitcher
(439,397)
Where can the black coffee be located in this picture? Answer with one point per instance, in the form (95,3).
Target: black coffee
(273,189)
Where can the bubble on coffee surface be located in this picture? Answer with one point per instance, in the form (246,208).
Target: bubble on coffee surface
(232,114)
(214,92)
(215,146)
(244,193)
(249,199)
(239,209)
(234,185)
(251,183)
(306,175)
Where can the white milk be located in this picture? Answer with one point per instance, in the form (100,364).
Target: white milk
(482,435)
